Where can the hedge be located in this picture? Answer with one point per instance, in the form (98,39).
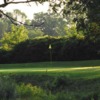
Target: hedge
(63,49)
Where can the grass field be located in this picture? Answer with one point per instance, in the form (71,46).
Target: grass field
(74,69)
(71,80)
(62,64)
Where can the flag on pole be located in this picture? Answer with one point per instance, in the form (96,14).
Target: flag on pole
(50,47)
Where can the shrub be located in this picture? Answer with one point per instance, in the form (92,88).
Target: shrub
(29,92)
(65,96)
(7,88)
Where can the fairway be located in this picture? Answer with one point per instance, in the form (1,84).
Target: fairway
(50,69)
(73,69)
(76,72)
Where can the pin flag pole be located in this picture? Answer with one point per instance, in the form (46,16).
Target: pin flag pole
(50,48)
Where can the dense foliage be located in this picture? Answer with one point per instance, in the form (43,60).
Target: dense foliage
(44,87)
(10,39)
(63,49)
(38,26)
(25,43)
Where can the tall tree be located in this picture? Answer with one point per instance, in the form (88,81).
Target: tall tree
(83,11)
(3,27)
(53,25)
(17,35)
(19,16)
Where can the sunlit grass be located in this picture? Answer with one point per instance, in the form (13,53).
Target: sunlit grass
(73,69)
(84,72)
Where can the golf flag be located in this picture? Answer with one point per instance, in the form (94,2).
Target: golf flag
(50,47)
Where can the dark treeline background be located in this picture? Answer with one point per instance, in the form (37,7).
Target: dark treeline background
(31,42)
(63,49)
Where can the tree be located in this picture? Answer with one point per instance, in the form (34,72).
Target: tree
(17,35)
(19,16)
(53,25)
(84,12)
(8,2)
(35,33)
(3,27)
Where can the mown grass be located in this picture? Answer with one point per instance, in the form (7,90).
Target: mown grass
(62,64)
(71,69)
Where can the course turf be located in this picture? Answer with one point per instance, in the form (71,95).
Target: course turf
(74,69)
(61,64)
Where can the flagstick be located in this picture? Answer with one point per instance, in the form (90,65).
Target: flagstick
(50,48)
(51,56)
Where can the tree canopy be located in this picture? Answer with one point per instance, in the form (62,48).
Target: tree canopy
(8,2)
(84,13)
(17,35)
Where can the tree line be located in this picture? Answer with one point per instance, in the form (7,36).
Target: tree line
(62,49)
(29,42)
(43,24)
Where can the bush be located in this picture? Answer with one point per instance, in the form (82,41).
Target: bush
(29,92)
(4,56)
(65,96)
(7,88)
(30,51)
